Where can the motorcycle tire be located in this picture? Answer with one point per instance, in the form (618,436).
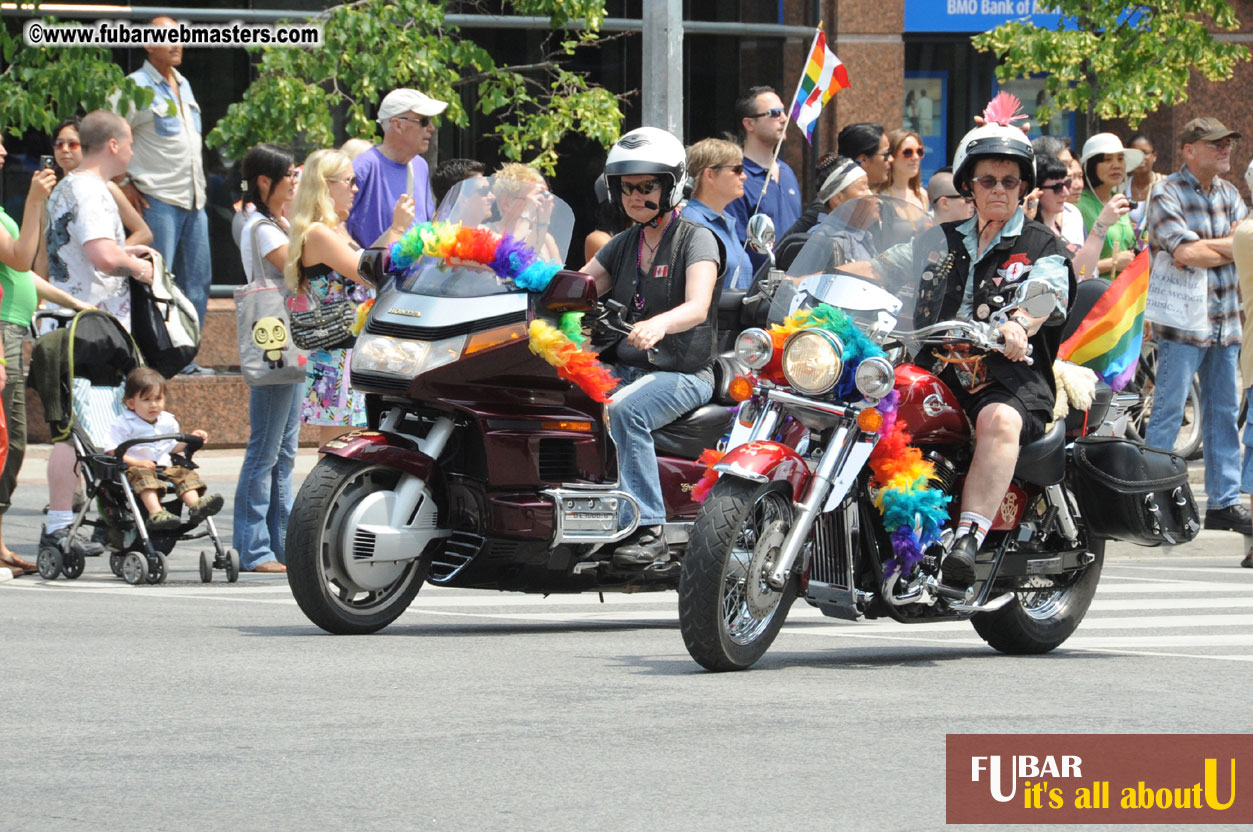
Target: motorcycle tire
(318,572)
(1035,623)
(720,629)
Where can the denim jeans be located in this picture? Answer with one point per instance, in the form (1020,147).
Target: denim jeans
(182,237)
(646,402)
(1176,365)
(263,497)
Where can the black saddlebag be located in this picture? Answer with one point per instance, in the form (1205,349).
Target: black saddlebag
(1129,491)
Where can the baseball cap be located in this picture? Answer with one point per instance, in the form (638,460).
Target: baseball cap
(401,101)
(1205,129)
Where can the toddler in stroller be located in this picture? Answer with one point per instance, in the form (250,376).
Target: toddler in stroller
(78,372)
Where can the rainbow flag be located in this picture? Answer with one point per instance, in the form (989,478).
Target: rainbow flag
(1108,339)
(823,77)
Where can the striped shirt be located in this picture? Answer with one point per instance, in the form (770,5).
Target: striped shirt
(1182,212)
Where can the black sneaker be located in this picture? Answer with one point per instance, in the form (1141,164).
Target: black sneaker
(83,548)
(641,549)
(958,567)
(1233,518)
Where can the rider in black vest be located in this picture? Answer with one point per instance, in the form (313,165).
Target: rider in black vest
(665,271)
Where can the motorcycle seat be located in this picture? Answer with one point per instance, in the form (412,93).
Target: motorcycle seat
(1043,462)
(1096,413)
(690,434)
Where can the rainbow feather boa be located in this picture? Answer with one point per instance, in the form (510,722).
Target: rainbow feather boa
(512,259)
(913,512)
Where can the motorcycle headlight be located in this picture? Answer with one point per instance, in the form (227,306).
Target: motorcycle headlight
(401,356)
(875,377)
(754,347)
(812,361)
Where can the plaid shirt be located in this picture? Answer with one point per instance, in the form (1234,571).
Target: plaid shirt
(1181,212)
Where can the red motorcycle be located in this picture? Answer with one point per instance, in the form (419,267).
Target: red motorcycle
(482,468)
(805,516)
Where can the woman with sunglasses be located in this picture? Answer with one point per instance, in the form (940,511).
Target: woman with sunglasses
(321,266)
(664,270)
(1105,164)
(717,168)
(867,145)
(905,173)
(67,149)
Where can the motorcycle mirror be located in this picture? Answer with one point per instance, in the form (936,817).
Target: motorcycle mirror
(569,291)
(373,266)
(761,233)
(1036,297)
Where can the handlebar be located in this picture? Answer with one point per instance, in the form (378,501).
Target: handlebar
(979,335)
(193,442)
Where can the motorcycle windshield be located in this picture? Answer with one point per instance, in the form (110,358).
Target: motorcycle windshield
(537,223)
(871,254)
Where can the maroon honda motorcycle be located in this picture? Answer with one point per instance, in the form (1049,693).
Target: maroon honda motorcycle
(481,467)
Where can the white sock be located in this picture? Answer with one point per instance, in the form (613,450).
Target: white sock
(58,520)
(976,524)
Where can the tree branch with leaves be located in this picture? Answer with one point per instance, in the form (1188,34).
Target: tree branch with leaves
(1117,59)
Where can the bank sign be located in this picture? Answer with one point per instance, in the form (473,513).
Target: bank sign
(968,16)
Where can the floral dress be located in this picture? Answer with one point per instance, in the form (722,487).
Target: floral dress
(329,398)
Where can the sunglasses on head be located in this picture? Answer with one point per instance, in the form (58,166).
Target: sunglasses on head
(1009,183)
(909,152)
(645,188)
(773,112)
(1057,187)
(70,144)
(736,169)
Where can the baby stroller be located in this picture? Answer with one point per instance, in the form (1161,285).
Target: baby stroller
(78,370)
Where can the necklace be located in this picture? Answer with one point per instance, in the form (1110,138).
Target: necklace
(639,261)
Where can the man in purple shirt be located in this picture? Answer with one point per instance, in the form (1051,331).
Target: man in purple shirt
(387,171)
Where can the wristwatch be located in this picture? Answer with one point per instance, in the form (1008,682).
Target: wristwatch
(1024,322)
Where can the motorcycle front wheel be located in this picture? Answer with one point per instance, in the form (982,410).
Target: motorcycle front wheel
(1045,611)
(728,614)
(337,593)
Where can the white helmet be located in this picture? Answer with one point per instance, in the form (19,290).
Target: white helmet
(992,141)
(649,150)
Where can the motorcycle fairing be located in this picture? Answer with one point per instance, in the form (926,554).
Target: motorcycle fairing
(387,449)
(764,461)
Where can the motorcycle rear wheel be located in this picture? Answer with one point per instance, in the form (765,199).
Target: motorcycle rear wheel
(1038,621)
(316,567)
(720,626)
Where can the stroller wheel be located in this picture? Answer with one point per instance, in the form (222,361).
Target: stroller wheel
(206,566)
(49,563)
(135,568)
(115,563)
(72,565)
(157,575)
(232,566)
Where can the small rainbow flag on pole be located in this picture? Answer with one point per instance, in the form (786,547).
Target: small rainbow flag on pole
(823,77)
(1108,338)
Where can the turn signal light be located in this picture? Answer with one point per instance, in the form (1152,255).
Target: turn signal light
(579,427)
(494,337)
(740,389)
(870,420)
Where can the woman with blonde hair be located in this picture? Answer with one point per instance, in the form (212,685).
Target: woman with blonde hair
(322,262)
(525,205)
(905,177)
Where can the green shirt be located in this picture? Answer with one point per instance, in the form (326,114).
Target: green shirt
(19,301)
(1121,232)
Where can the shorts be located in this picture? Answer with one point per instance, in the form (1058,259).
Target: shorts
(146,479)
(1033,421)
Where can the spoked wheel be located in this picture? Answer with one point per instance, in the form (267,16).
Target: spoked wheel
(49,563)
(336,591)
(728,613)
(206,566)
(156,574)
(1188,440)
(1045,612)
(135,568)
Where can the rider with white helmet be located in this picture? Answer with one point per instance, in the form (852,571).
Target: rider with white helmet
(664,270)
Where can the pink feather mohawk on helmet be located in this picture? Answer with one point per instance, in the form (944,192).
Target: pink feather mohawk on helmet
(1004,110)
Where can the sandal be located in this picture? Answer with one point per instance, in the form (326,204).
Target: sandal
(17,565)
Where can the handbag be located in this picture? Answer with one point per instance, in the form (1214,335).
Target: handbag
(164,324)
(1129,491)
(1178,296)
(266,354)
(322,326)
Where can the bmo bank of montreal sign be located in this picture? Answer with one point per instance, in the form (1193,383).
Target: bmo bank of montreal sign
(975,15)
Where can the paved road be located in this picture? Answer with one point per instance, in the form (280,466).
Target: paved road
(190,706)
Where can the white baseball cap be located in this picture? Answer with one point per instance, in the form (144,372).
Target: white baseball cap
(401,101)
(1107,143)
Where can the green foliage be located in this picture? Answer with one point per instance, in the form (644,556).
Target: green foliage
(372,46)
(39,86)
(1124,60)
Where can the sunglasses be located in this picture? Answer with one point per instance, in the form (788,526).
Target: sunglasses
(773,112)
(645,188)
(988,183)
(69,144)
(421,121)
(1057,187)
(736,169)
(350,181)
(908,152)
(1221,144)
